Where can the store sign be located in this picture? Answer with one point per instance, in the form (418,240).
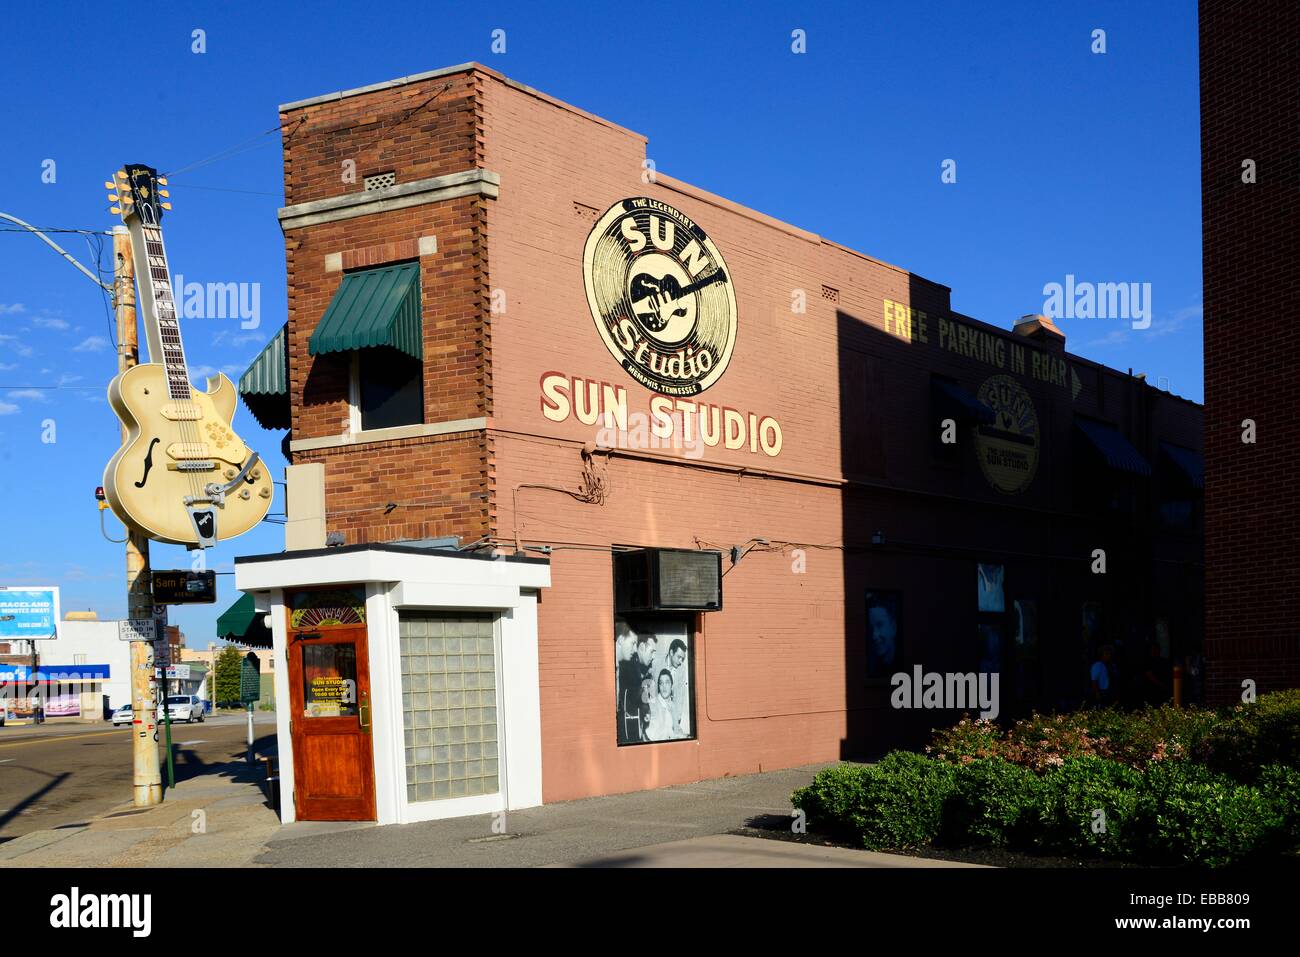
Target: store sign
(687,426)
(1008,449)
(184,587)
(29,613)
(980,345)
(661,296)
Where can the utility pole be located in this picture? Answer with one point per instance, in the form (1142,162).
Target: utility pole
(147,777)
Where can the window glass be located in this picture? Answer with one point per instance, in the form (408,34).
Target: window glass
(449,705)
(392,390)
(329,680)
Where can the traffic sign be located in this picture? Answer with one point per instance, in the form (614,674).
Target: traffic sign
(184,587)
(138,629)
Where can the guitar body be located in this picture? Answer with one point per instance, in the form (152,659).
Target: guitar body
(173,450)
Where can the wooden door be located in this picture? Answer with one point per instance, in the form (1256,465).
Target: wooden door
(329,691)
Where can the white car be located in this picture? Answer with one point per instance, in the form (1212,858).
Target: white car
(184,707)
(123,715)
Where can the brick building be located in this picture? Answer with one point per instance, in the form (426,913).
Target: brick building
(1250,189)
(691,483)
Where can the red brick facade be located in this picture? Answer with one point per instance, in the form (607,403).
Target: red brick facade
(1250,110)
(417,131)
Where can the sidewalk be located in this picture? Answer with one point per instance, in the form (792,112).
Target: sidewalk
(232,827)
(687,825)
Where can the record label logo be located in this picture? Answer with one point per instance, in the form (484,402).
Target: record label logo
(661,296)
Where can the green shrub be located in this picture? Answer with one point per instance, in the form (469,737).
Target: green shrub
(1255,735)
(1194,816)
(991,802)
(833,795)
(1071,796)
(894,804)
(1281,786)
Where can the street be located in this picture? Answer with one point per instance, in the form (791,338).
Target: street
(56,775)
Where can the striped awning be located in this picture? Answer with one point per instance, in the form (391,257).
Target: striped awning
(243,624)
(952,400)
(1188,462)
(1117,451)
(373,307)
(265,384)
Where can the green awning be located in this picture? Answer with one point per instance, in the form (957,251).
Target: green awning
(242,623)
(265,384)
(1113,447)
(373,307)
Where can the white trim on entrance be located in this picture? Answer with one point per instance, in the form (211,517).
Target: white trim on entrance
(426,580)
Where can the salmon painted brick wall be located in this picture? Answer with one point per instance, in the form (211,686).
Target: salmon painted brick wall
(777,672)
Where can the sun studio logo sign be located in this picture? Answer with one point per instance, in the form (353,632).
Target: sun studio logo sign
(661,296)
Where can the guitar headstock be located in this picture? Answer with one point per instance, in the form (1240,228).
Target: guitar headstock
(137,191)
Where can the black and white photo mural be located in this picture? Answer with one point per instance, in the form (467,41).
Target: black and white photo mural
(653,671)
(883,637)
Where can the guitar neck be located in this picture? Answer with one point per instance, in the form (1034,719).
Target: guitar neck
(160,320)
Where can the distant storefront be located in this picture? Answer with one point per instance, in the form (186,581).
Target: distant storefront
(603,482)
(53,691)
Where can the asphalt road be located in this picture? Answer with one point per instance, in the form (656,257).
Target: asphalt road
(59,775)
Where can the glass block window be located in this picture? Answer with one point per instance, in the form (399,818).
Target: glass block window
(449,704)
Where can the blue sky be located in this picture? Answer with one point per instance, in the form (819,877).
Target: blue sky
(1069,162)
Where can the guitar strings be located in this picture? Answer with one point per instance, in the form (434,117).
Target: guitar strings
(185,406)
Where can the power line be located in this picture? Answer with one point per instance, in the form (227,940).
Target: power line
(225,189)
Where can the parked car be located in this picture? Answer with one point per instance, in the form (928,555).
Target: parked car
(123,715)
(184,707)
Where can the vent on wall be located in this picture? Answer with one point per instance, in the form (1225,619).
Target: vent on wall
(380,180)
(830,294)
(583,211)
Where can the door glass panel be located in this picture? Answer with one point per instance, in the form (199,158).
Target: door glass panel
(329,680)
(449,705)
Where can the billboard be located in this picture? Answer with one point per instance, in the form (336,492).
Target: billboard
(28,612)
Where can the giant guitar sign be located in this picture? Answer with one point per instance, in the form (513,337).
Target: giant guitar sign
(182,476)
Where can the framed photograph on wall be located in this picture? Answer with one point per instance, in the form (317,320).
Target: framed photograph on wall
(884,637)
(654,677)
(1026,626)
(990,649)
(990,579)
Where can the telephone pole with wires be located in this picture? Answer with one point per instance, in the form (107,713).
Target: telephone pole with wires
(147,776)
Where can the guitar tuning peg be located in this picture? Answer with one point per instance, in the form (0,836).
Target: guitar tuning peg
(165,205)
(121,174)
(110,185)
(115,209)
(162,181)
(113,197)
(163,192)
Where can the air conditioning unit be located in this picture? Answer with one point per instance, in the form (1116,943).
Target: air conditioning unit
(667,579)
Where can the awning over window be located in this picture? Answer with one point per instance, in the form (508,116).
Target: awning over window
(1188,462)
(374,307)
(265,384)
(242,624)
(1116,450)
(955,402)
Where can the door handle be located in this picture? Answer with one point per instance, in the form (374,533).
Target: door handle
(363,715)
